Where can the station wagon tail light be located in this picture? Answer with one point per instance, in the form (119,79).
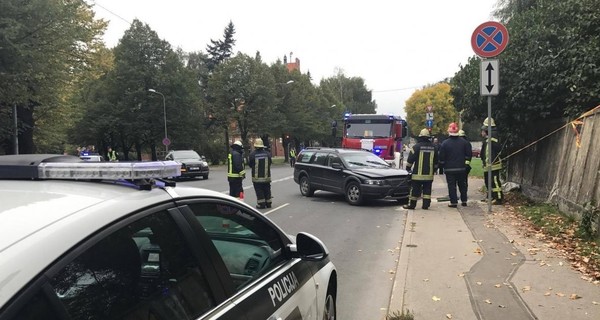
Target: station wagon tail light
(375,182)
(109,170)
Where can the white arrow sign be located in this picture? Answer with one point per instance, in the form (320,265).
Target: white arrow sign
(490,85)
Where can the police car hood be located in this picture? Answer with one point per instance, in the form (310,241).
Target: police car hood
(381,172)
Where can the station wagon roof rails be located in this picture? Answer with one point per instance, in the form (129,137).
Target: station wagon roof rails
(49,166)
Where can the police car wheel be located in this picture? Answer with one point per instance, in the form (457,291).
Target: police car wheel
(353,194)
(305,188)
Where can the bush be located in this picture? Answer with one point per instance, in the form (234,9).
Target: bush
(404,315)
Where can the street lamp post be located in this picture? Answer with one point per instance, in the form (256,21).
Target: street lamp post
(166,142)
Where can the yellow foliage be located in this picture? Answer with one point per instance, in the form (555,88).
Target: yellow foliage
(444,112)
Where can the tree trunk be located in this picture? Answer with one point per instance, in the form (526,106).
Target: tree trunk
(25,115)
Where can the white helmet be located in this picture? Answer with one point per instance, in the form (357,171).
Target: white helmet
(258,143)
(424,133)
(489,121)
(238,143)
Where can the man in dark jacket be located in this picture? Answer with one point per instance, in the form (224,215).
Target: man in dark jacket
(455,158)
(236,170)
(491,151)
(260,161)
(422,161)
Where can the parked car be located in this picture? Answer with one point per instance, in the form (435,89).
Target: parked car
(192,164)
(476,152)
(85,240)
(356,174)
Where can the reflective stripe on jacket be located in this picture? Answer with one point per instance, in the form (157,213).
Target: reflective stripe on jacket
(423,160)
(260,162)
(235,165)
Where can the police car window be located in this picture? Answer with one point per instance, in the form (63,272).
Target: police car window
(248,245)
(142,271)
(320,158)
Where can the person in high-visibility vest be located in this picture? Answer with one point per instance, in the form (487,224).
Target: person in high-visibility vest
(260,161)
(292,156)
(492,152)
(236,169)
(422,162)
(112,155)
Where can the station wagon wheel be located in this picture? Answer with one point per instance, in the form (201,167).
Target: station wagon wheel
(353,194)
(305,187)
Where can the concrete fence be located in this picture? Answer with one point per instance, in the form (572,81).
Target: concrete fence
(557,170)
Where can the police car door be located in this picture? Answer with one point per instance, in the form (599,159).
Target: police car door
(263,282)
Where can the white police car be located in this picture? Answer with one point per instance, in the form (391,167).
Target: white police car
(84,240)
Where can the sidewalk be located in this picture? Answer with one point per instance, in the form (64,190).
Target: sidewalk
(467,264)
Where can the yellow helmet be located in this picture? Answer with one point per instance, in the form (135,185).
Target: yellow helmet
(424,133)
(258,143)
(461,133)
(488,122)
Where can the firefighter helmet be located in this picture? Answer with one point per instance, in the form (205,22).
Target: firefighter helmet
(258,143)
(453,129)
(424,133)
(489,121)
(461,133)
(237,143)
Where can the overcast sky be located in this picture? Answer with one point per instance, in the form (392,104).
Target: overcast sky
(396,46)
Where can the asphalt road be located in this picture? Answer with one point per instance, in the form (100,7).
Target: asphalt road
(363,241)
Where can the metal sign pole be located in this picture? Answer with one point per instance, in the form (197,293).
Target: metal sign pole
(488,155)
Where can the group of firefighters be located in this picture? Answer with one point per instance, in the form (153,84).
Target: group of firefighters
(454,157)
(424,160)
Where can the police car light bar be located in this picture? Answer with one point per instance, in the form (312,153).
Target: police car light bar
(109,170)
(72,168)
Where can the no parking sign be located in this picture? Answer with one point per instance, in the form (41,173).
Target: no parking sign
(489,39)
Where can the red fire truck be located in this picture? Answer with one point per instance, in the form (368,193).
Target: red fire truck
(378,133)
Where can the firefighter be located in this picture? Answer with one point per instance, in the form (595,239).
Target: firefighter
(236,170)
(455,157)
(260,161)
(422,161)
(492,152)
(111,155)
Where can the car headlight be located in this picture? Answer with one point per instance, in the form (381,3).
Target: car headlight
(375,182)
(205,164)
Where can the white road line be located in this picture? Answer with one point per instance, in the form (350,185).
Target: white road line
(277,208)
(274,181)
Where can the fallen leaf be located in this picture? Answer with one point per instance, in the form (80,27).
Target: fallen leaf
(461,275)
(560,263)
(392,271)
(478,251)
(560,294)
(478,283)
(501,306)
(574,296)
(434,298)
(451,258)
(498,286)
(595,303)
(448,316)
(526,288)
(547,294)
(425,280)
(513,253)
(488,301)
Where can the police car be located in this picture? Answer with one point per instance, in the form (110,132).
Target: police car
(111,240)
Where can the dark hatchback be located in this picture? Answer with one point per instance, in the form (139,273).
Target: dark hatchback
(356,174)
(192,164)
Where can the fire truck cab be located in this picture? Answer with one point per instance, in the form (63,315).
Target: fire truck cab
(378,133)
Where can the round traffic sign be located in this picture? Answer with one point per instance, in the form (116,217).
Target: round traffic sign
(489,39)
(166,141)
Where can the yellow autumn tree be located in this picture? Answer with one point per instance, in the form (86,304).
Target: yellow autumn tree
(438,97)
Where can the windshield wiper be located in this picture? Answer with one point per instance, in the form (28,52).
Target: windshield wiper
(357,163)
(378,163)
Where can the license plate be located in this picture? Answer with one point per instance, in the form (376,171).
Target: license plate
(194,168)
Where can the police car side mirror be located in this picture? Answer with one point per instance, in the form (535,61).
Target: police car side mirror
(309,247)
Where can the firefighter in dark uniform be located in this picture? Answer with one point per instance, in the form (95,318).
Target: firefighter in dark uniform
(455,158)
(492,152)
(422,161)
(236,169)
(260,161)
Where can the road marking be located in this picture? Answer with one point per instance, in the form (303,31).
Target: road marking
(251,186)
(277,208)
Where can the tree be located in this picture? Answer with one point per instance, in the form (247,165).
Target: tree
(550,68)
(243,92)
(438,96)
(44,45)
(349,93)
(220,50)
